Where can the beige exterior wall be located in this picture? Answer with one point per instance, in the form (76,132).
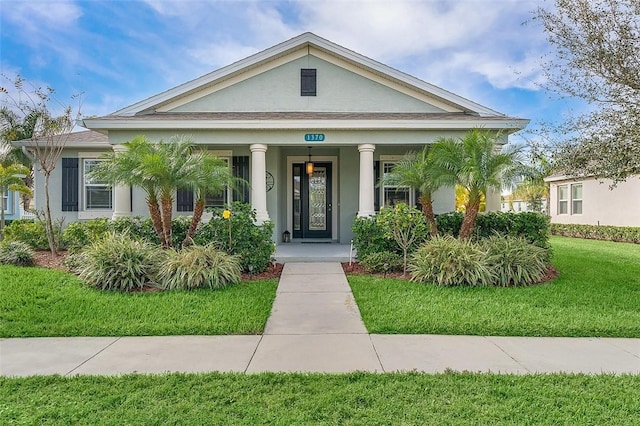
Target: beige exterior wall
(600,205)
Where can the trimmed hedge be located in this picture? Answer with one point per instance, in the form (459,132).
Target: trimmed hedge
(532,226)
(623,234)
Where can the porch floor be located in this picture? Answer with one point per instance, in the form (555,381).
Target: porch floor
(313,251)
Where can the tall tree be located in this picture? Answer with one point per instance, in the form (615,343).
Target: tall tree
(474,162)
(416,170)
(11,180)
(596,59)
(49,138)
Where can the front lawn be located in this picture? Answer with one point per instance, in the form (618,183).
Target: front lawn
(43,302)
(301,399)
(597,294)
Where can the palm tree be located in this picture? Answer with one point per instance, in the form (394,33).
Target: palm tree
(11,180)
(474,163)
(212,177)
(12,128)
(159,169)
(416,171)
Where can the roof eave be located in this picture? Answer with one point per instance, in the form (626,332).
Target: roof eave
(514,124)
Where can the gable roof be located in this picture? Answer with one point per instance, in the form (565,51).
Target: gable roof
(302,41)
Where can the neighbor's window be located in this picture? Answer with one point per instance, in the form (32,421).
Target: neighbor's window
(563,199)
(576,198)
(392,194)
(308,82)
(97,194)
(220,199)
(4,201)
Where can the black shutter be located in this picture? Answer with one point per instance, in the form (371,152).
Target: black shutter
(184,200)
(240,169)
(70,184)
(376,190)
(308,82)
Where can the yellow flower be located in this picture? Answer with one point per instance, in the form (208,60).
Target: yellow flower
(226,214)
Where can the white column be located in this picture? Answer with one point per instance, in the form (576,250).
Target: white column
(259,182)
(492,200)
(366,190)
(121,194)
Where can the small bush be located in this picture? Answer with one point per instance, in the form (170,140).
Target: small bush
(199,266)
(118,262)
(239,235)
(514,261)
(79,234)
(369,237)
(16,253)
(136,227)
(28,231)
(448,261)
(404,225)
(375,262)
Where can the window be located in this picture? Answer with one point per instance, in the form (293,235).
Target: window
(563,199)
(97,194)
(392,194)
(308,82)
(576,198)
(4,200)
(220,199)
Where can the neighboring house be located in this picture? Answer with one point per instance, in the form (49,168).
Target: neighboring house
(517,206)
(10,201)
(590,201)
(269,115)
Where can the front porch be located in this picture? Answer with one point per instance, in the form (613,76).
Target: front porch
(314,251)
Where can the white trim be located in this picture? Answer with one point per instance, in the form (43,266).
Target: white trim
(116,124)
(390,158)
(334,189)
(90,155)
(227,153)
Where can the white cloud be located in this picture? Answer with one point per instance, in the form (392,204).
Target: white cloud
(36,17)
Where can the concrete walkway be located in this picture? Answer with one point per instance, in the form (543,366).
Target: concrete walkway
(315,326)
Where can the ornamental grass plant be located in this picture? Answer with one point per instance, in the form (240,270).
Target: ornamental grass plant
(449,261)
(514,261)
(118,262)
(16,253)
(197,267)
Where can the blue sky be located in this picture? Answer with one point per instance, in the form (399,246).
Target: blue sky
(119,52)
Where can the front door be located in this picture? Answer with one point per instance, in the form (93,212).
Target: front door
(312,201)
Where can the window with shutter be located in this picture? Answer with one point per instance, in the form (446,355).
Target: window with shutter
(308,82)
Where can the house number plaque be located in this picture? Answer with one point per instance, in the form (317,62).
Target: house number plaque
(314,137)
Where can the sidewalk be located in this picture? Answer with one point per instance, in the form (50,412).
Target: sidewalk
(315,326)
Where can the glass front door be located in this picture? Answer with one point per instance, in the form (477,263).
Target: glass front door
(312,209)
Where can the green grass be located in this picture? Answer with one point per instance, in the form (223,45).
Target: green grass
(42,302)
(350,399)
(597,294)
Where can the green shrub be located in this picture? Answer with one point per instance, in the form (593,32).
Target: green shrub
(28,231)
(532,226)
(382,262)
(625,234)
(514,261)
(448,261)
(199,266)
(404,225)
(369,237)
(118,262)
(449,223)
(16,253)
(239,235)
(79,234)
(136,227)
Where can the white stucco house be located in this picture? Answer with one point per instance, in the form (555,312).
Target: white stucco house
(591,201)
(269,115)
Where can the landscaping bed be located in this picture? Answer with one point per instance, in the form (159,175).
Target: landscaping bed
(596,294)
